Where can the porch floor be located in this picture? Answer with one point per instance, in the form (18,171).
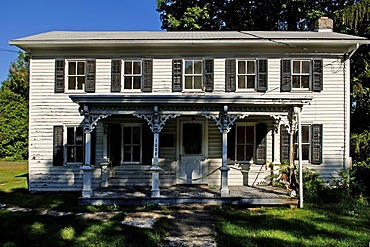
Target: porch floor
(191,194)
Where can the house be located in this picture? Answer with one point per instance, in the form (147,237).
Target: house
(164,108)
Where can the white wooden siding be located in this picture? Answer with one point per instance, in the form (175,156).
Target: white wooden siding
(48,109)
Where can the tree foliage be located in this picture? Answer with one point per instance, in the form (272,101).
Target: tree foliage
(14,111)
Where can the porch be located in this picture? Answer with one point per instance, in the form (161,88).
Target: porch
(191,194)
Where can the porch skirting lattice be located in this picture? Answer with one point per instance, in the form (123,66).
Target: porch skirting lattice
(190,194)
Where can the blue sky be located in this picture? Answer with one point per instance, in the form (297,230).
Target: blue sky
(20,18)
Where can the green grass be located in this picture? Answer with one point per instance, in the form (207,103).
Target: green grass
(287,227)
(13,175)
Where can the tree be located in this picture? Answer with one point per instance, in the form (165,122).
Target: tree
(14,111)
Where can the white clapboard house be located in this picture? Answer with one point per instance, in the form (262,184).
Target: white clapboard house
(165,108)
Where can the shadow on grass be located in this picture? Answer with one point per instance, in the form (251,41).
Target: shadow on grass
(285,227)
(31,229)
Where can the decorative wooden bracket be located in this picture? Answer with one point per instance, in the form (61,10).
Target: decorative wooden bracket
(224,121)
(91,121)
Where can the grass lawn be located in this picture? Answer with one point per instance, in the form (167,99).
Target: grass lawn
(310,226)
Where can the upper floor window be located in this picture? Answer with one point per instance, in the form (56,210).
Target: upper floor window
(301,74)
(246,74)
(76,75)
(193,75)
(132,75)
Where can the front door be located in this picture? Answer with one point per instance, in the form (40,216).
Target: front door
(192,166)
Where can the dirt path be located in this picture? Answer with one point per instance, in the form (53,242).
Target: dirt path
(191,227)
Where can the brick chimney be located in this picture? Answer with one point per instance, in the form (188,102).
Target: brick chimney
(324,24)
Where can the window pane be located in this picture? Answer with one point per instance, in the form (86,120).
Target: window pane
(79,135)
(240,139)
(80,82)
(70,154)
(71,83)
(137,82)
(249,134)
(128,81)
(71,68)
(136,153)
(306,67)
(250,67)
(70,136)
(250,82)
(305,81)
(188,82)
(305,151)
(296,83)
(241,81)
(136,135)
(197,67)
(126,135)
(188,67)
(81,68)
(240,152)
(296,67)
(137,67)
(128,68)
(241,67)
(305,134)
(127,153)
(249,152)
(197,82)
(79,154)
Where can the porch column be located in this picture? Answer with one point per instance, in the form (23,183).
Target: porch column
(156,122)
(224,123)
(90,121)
(292,175)
(276,147)
(297,110)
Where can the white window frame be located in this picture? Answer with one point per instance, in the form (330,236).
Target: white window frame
(184,75)
(300,74)
(309,143)
(67,75)
(246,74)
(132,61)
(251,161)
(66,145)
(132,125)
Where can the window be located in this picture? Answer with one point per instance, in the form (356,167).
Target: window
(76,75)
(246,74)
(193,74)
(75,145)
(131,144)
(301,74)
(306,143)
(245,143)
(132,75)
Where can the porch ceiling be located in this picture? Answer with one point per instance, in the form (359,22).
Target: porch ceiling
(187,104)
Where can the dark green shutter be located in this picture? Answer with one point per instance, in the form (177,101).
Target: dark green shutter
(90,76)
(115,86)
(208,75)
(59,76)
(147,81)
(316,143)
(262,75)
(230,75)
(177,75)
(286,76)
(261,141)
(284,144)
(58,145)
(317,77)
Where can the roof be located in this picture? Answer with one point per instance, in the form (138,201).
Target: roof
(186,35)
(61,39)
